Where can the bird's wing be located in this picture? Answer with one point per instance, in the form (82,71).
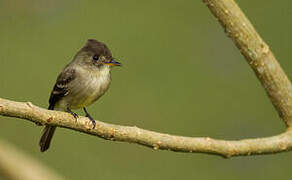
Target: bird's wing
(61,87)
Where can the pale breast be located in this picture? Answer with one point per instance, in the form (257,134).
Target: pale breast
(88,87)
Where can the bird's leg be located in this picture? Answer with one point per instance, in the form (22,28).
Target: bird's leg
(91,119)
(73,113)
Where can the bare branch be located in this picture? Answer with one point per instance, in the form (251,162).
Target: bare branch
(257,54)
(155,140)
(14,164)
(260,59)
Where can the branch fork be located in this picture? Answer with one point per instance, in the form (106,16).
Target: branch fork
(258,56)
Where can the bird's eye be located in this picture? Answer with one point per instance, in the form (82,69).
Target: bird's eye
(95,57)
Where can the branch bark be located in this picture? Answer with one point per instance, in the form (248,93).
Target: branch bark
(155,140)
(260,59)
(257,54)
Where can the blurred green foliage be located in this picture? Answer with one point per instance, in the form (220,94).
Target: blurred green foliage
(181,75)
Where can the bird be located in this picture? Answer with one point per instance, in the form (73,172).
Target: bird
(81,82)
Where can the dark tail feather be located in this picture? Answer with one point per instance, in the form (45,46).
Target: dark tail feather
(46,138)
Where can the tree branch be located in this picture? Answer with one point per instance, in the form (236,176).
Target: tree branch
(260,59)
(14,164)
(257,54)
(279,143)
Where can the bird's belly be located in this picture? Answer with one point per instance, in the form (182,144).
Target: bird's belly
(84,98)
(92,89)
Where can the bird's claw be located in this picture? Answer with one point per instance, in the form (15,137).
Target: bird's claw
(73,114)
(92,120)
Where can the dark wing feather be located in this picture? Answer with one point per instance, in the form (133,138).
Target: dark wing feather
(61,87)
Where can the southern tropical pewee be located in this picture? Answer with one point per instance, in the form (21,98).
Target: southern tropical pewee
(81,83)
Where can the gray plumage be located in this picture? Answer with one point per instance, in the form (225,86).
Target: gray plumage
(81,83)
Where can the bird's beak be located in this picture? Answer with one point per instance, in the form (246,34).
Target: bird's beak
(112,62)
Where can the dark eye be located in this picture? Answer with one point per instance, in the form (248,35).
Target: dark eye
(95,57)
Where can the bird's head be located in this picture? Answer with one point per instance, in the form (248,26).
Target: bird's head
(96,53)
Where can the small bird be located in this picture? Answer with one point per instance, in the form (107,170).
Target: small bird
(81,82)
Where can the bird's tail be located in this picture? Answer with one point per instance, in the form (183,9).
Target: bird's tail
(46,138)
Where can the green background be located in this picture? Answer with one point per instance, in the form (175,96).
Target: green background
(181,75)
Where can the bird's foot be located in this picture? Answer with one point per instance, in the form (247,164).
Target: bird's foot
(90,118)
(92,121)
(73,114)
